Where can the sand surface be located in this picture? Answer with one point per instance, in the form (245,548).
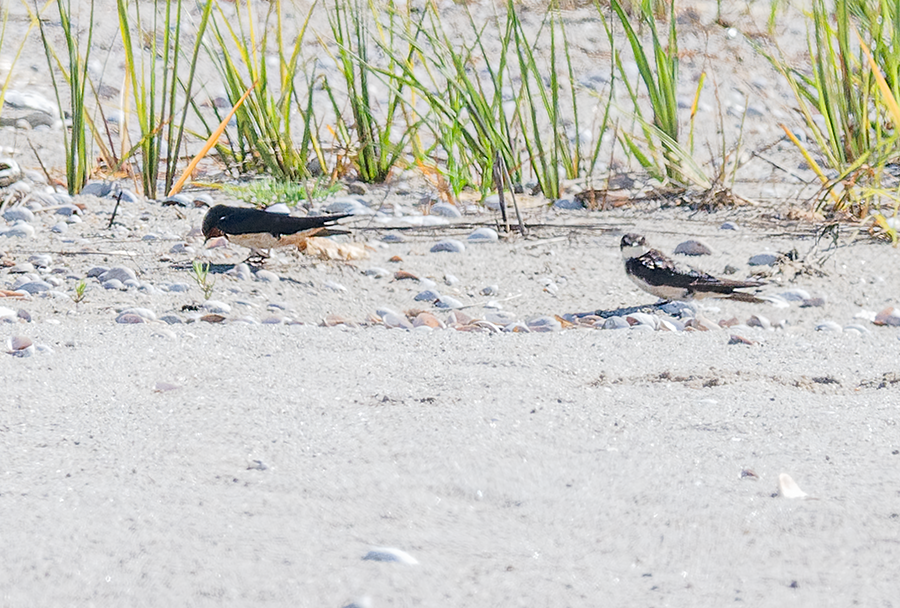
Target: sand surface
(240,463)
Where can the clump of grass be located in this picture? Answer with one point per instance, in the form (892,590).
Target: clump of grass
(265,192)
(200,274)
(157,53)
(262,139)
(80,289)
(75,73)
(847,104)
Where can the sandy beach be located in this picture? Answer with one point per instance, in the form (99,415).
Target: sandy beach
(260,458)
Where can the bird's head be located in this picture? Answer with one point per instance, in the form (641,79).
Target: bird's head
(633,246)
(210,226)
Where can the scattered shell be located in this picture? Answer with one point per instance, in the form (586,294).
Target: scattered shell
(749,474)
(788,488)
(759,321)
(889,316)
(615,323)
(427,319)
(20,346)
(448,302)
(544,324)
(829,326)
(129,318)
(402,275)
(429,295)
(212,318)
(119,273)
(144,313)
(812,302)
(692,247)
(795,295)
(376,273)
(736,339)
(389,554)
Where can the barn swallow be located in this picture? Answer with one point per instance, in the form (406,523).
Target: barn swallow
(259,229)
(659,275)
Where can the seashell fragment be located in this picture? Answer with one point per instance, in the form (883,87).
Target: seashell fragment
(788,488)
(389,554)
(20,346)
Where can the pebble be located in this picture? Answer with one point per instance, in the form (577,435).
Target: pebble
(795,295)
(19,229)
(449,245)
(119,273)
(568,204)
(334,286)
(114,284)
(813,302)
(23,214)
(20,346)
(490,290)
(178,199)
(693,248)
(500,317)
(41,260)
(483,235)
(492,201)
(763,259)
(7,315)
(100,189)
(68,210)
(829,326)
(448,302)
(216,307)
(272,320)
(96,271)
(376,272)
(395,321)
(129,318)
(176,287)
(144,313)
(128,196)
(33,287)
(393,237)
(450,280)
(348,205)
(132,283)
(788,488)
(680,309)
(616,323)
(388,554)
(889,316)
(759,321)
(517,328)
(544,324)
(267,276)
(60,228)
(445,210)
(729,226)
(21,268)
(241,271)
(429,295)
(9,169)
(171,319)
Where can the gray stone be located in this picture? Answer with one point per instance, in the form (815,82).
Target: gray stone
(171,319)
(20,229)
(18,213)
(616,323)
(267,276)
(215,306)
(729,226)
(393,237)
(144,313)
(829,326)
(569,204)
(692,248)
(490,290)
(448,302)
(128,196)
(544,323)
(348,205)
(33,287)
(21,268)
(500,317)
(178,199)
(68,210)
(429,295)
(445,210)
(120,273)
(763,259)
(376,273)
(96,271)
(483,235)
(130,318)
(114,284)
(450,280)
(41,260)
(177,287)
(448,245)
(60,228)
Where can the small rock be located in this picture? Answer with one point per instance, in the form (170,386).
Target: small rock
(215,306)
(23,214)
(60,228)
(729,226)
(177,287)
(33,287)
(429,295)
(427,319)
(616,323)
(99,189)
(445,210)
(448,302)
(545,323)
(120,273)
(763,259)
(889,316)
(395,321)
(376,273)
(813,302)
(759,321)
(642,318)
(267,276)
(569,204)
(19,229)
(129,317)
(393,237)
(449,245)
(144,313)
(348,205)
(171,319)
(179,200)
(21,268)
(334,286)
(41,260)
(114,284)
(450,280)
(20,346)
(68,210)
(213,318)
(483,235)
(693,248)
(499,317)
(795,295)
(96,271)
(357,188)
(490,290)
(241,272)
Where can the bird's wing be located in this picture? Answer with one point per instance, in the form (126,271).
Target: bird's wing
(249,221)
(656,269)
